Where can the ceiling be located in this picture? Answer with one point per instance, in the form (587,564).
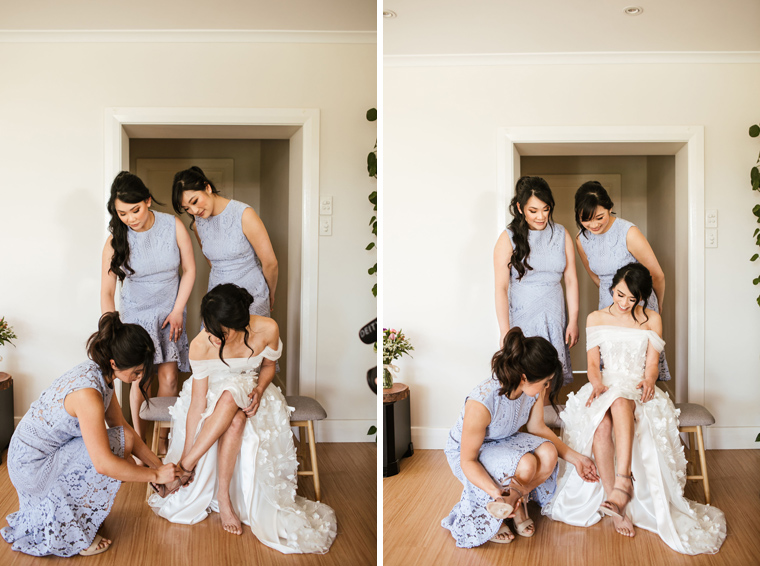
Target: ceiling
(427,27)
(311,15)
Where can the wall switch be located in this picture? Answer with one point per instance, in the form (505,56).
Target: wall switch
(711,238)
(711,218)
(325,226)
(325,205)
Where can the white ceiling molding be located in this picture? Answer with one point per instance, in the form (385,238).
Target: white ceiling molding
(186,36)
(590,58)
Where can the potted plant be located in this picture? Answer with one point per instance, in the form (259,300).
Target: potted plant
(6,334)
(395,345)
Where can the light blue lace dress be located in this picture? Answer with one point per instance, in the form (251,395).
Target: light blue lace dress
(469,522)
(606,254)
(62,499)
(148,294)
(232,257)
(536,302)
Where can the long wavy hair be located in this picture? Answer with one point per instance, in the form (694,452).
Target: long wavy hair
(533,357)
(226,306)
(639,282)
(588,197)
(526,187)
(130,189)
(193,179)
(128,345)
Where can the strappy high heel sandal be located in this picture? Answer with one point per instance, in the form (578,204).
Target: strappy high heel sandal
(521,528)
(502,509)
(606,508)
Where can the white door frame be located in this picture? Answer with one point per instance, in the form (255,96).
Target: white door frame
(686,143)
(304,149)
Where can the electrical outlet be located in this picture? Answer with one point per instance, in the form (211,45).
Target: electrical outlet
(325,226)
(711,218)
(711,238)
(325,205)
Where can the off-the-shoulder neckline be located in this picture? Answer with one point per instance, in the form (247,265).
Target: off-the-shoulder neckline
(622,328)
(279,345)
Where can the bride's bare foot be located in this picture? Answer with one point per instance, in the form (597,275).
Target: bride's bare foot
(230,521)
(616,504)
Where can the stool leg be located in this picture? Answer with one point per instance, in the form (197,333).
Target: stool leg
(154,448)
(703,462)
(313,452)
(693,450)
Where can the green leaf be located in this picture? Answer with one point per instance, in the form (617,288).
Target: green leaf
(372,270)
(758,438)
(372,220)
(374,289)
(374,230)
(373,197)
(754,257)
(372,430)
(756,210)
(372,116)
(758,300)
(756,280)
(372,245)
(372,164)
(756,231)
(754,130)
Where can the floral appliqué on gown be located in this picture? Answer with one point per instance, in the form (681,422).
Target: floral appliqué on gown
(264,481)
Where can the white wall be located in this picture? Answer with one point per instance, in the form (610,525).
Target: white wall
(52,101)
(440,214)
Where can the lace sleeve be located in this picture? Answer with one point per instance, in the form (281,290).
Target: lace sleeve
(271,354)
(201,368)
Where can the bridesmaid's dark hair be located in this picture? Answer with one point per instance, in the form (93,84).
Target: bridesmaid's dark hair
(128,345)
(590,195)
(534,357)
(639,282)
(130,189)
(526,187)
(193,179)
(226,306)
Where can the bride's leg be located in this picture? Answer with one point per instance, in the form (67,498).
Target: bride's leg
(216,425)
(604,453)
(622,418)
(227,453)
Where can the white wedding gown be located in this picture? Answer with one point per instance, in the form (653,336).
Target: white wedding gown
(658,462)
(263,486)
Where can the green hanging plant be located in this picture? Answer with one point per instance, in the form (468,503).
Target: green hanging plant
(372,170)
(754,177)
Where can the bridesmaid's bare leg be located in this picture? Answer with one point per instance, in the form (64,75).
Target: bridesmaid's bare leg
(168,377)
(135,402)
(227,453)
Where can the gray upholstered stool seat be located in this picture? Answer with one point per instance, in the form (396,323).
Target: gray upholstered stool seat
(693,417)
(157,411)
(307,410)
(551,417)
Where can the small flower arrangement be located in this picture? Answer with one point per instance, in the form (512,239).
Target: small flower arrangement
(6,334)
(395,345)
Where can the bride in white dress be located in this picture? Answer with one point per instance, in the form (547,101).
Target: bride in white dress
(643,474)
(240,460)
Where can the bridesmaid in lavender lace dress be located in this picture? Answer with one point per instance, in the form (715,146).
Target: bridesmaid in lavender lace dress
(65,464)
(486,451)
(606,243)
(144,252)
(530,259)
(232,236)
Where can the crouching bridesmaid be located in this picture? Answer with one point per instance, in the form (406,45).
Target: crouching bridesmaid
(65,464)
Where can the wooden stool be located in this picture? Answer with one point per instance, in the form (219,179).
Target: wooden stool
(307,410)
(6,411)
(397,428)
(158,413)
(693,418)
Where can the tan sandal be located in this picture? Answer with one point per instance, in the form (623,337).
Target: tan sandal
(502,509)
(520,528)
(606,508)
(502,530)
(94,549)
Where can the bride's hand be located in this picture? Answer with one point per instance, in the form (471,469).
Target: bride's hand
(647,390)
(598,390)
(255,397)
(586,468)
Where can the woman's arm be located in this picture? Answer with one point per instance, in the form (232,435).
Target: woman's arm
(254,230)
(114,417)
(197,406)
(502,255)
(536,425)
(194,228)
(87,406)
(652,368)
(187,259)
(266,372)
(107,280)
(476,420)
(571,292)
(642,251)
(584,260)
(593,365)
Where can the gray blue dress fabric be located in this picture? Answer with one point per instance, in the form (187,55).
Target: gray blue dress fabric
(62,498)
(469,522)
(536,302)
(148,295)
(232,257)
(606,254)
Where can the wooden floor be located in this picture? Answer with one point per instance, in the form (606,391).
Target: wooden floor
(348,477)
(415,501)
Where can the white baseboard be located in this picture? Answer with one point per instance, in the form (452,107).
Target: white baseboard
(332,430)
(429,438)
(730,437)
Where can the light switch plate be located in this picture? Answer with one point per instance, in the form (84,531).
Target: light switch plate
(325,226)
(711,238)
(325,205)
(711,218)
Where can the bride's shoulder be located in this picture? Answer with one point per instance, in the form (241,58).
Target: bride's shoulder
(200,346)
(596,318)
(653,320)
(266,327)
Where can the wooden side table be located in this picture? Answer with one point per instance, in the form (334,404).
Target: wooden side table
(6,411)
(397,428)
